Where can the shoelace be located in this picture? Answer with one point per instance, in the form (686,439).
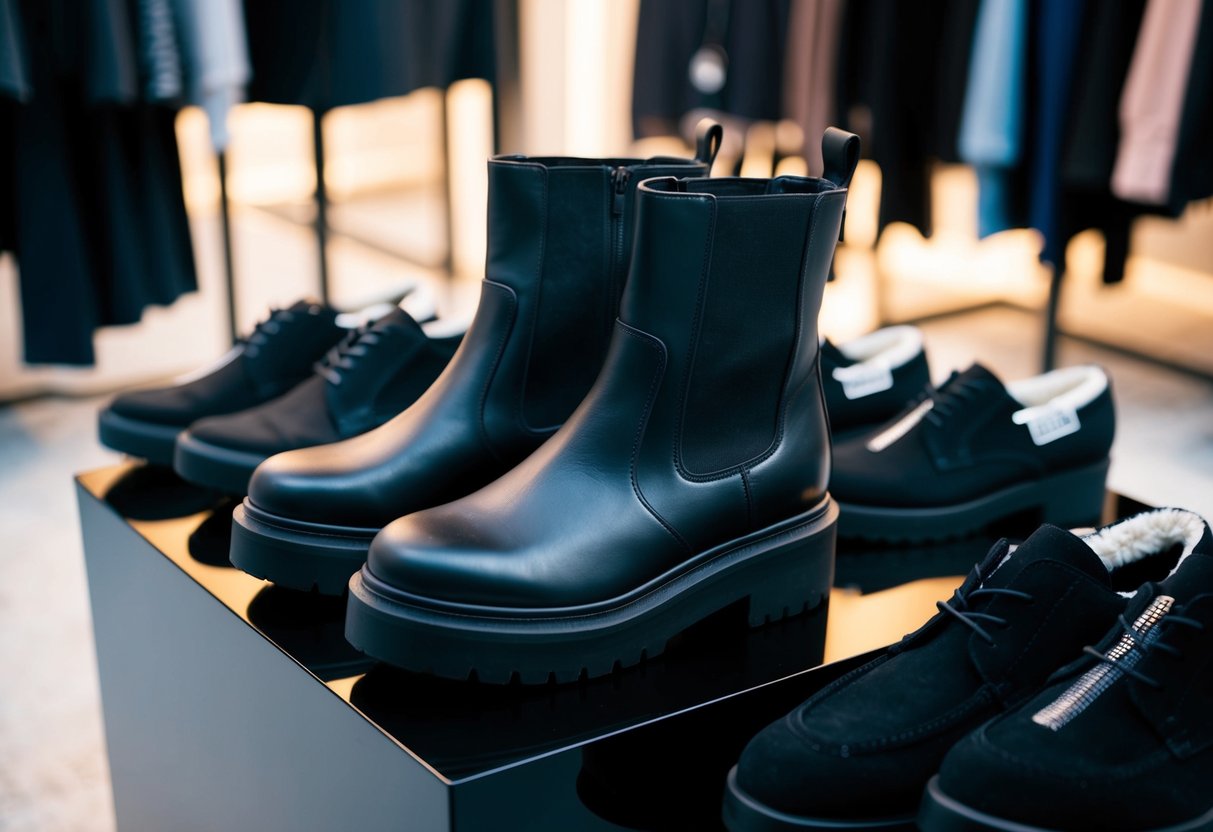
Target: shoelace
(958,608)
(344,357)
(262,332)
(1143,647)
(946,398)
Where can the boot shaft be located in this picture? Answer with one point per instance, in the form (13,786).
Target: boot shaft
(559,242)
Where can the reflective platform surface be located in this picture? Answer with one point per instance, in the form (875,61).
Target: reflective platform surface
(645,748)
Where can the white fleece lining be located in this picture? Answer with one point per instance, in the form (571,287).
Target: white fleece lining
(1069,388)
(892,346)
(1146,534)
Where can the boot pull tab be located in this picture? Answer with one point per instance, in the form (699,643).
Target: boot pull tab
(708,137)
(840,152)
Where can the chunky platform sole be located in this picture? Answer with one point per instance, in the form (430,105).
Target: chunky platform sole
(940,813)
(213,466)
(295,554)
(743,813)
(146,440)
(781,571)
(1068,499)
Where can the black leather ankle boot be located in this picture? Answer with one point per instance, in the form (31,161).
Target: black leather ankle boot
(560,234)
(692,476)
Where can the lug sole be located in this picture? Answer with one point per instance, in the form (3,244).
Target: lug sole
(1068,499)
(297,555)
(742,813)
(213,466)
(146,440)
(781,571)
(941,813)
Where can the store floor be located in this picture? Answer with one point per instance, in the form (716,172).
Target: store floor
(53,773)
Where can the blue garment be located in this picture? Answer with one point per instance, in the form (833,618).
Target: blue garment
(991,127)
(1056,29)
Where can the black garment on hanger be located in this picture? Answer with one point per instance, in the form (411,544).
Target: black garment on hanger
(98,219)
(1192,169)
(332,53)
(670,32)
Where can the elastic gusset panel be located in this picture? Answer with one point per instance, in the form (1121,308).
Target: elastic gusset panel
(746,332)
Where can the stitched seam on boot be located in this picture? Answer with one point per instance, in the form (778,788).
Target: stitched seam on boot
(520,403)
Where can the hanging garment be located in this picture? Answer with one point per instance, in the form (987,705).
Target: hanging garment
(734,48)
(813,34)
(1192,169)
(215,57)
(1152,104)
(99,224)
(332,53)
(992,124)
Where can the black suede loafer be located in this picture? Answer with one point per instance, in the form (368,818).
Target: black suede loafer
(1121,741)
(278,355)
(868,380)
(973,452)
(858,754)
(372,375)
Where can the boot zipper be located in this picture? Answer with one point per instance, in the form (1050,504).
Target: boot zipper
(619,191)
(1088,687)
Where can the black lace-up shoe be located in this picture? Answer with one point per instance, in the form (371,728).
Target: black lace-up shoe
(869,379)
(278,355)
(1121,741)
(973,452)
(373,374)
(858,754)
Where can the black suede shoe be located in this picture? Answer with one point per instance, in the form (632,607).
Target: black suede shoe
(858,754)
(278,355)
(973,452)
(372,375)
(868,380)
(1122,741)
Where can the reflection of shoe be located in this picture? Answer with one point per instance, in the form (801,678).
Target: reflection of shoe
(277,356)
(1121,740)
(973,452)
(559,242)
(859,753)
(691,477)
(372,375)
(310,628)
(868,380)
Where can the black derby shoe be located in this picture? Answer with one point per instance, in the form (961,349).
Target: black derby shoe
(868,380)
(858,754)
(372,375)
(973,452)
(691,478)
(278,355)
(1121,740)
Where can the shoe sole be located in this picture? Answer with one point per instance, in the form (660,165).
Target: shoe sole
(214,466)
(742,813)
(940,813)
(783,570)
(1068,499)
(295,554)
(146,440)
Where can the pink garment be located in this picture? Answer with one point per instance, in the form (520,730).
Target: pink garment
(1151,104)
(813,29)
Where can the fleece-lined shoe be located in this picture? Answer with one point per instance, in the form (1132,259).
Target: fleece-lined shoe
(972,452)
(858,754)
(278,355)
(1122,740)
(869,379)
(370,376)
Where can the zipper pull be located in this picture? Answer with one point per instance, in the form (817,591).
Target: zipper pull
(619,179)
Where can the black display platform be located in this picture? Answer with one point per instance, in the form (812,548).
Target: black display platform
(232,704)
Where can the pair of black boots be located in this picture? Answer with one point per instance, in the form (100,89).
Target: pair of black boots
(997,715)
(631,436)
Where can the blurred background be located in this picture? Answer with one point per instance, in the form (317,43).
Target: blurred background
(1035,192)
